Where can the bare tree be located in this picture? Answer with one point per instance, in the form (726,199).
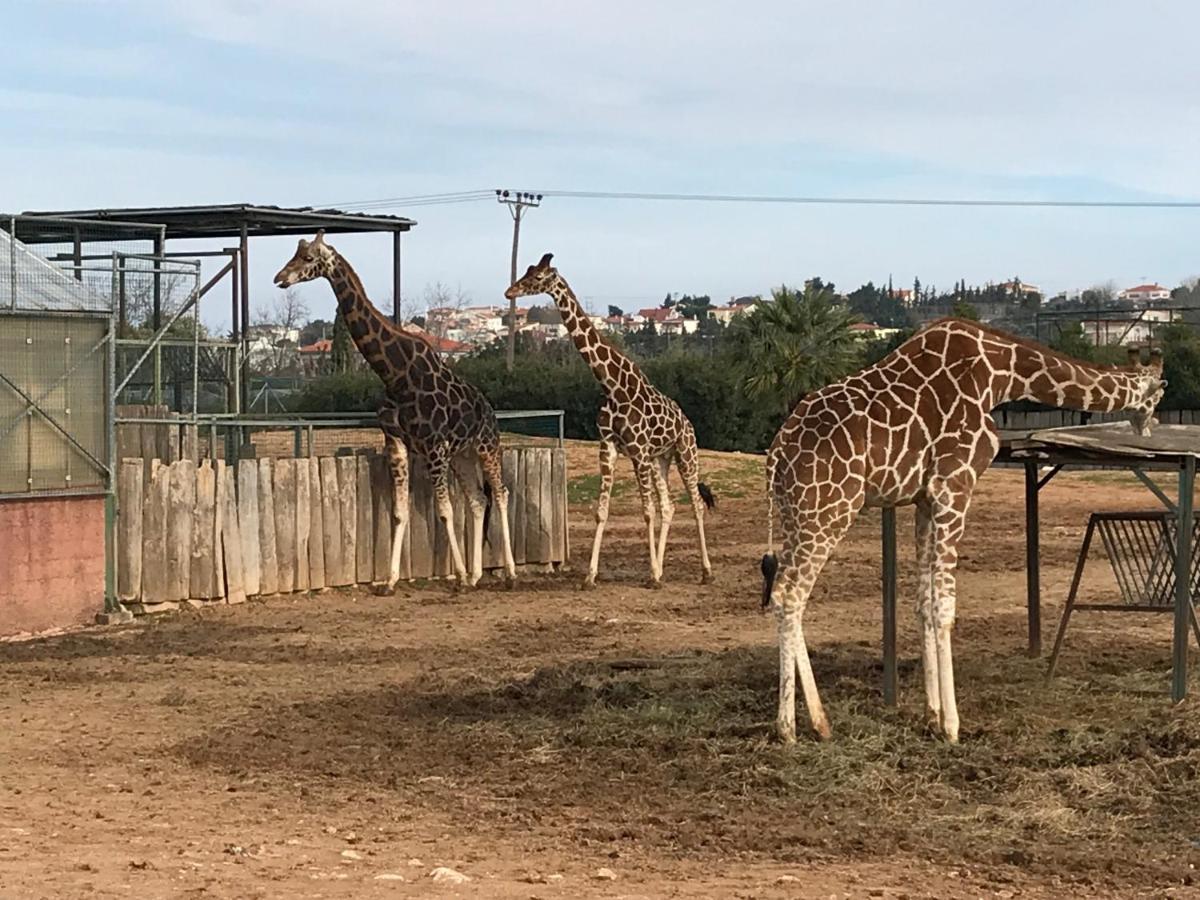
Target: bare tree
(442,304)
(273,348)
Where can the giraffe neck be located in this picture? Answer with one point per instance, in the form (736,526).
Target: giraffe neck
(1056,380)
(372,332)
(615,369)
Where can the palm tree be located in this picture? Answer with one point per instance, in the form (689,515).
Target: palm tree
(798,342)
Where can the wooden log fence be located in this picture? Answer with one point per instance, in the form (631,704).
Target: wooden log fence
(210,533)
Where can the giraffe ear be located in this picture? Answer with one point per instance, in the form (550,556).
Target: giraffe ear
(320,238)
(544,262)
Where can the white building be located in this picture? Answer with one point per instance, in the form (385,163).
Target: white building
(1145,294)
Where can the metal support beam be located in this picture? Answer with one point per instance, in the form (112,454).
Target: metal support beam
(1183,578)
(888,519)
(1155,489)
(397,316)
(243,375)
(1033,573)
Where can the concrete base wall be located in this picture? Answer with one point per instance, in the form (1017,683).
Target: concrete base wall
(51,563)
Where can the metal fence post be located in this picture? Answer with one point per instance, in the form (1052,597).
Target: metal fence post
(1183,577)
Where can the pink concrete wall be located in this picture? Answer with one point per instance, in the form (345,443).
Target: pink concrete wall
(51,562)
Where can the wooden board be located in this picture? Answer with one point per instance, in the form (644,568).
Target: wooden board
(381,495)
(154,534)
(533,504)
(130,502)
(365,562)
(331,521)
(558,501)
(347,476)
(545,467)
(268,562)
(180,517)
(203,530)
(316,530)
(219,469)
(285,524)
(516,516)
(231,539)
(303,522)
(247,504)
(420,542)
(189,443)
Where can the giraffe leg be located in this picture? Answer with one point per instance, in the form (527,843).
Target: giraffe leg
(666,508)
(949,519)
(439,471)
(397,454)
(492,471)
(608,459)
(929,661)
(469,478)
(791,596)
(690,473)
(645,474)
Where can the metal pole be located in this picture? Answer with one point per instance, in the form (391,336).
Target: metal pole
(888,519)
(111,602)
(12,262)
(1183,572)
(397,317)
(512,304)
(244,250)
(159,248)
(77,256)
(1033,575)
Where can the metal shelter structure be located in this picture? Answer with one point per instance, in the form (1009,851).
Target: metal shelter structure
(1169,449)
(234,221)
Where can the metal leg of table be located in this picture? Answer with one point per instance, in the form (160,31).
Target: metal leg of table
(889,606)
(1033,574)
(1183,586)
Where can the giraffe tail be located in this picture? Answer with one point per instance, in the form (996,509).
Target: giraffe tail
(770,562)
(487,510)
(706,494)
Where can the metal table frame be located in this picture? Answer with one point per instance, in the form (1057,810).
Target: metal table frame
(1033,455)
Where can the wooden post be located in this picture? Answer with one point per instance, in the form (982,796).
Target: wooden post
(347,476)
(365,563)
(180,517)
(268,561)
(219,469)
(203,532)
(129,529)
(516,512)
(316,530)
(231,540)
(381,493)
(285,524)
(420,541)
(331,520)
(303,522)
(247,503)
(154,535)
(558,502)
(533,500)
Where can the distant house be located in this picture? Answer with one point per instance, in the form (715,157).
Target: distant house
(869,331)
(1019,288)
(1145,294)
(737,306)
(655,314)
(314,357)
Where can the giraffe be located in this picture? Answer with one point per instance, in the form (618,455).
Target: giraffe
(636,419)
(916,428)
(427,409)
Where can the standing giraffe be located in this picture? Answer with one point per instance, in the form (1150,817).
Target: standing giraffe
(428,410)
(916,427)
(635,418)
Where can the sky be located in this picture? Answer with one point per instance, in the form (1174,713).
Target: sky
(157,102)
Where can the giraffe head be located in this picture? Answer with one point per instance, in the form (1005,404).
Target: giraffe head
(536,280)
(313,259)
(1148,389)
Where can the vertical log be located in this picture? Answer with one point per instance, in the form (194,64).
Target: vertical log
(247,504)
(154,534)
(365,563)
(420,540)
(331,512)
(231,540)
(203,531)
(381,493)
(316,529)
(180,517)
(303,523)
(130,502)
(518,506)
(558,502)
(347,475)
(268,561)
(285,524)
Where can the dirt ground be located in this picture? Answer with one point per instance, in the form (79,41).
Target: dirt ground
(345,745)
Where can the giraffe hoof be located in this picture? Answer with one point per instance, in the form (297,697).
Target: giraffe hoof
(707,577)
(654,584)
(510,582)
(786,732)
(588,584)
(823,731)
(383,590)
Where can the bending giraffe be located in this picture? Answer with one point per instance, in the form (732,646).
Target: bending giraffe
(428,410)
(636,419)
(916,428)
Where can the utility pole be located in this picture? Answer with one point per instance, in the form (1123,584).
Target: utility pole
(517,202)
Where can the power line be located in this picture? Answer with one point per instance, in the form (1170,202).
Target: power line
(869,201)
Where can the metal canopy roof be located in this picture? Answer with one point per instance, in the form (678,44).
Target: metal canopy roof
(223,221)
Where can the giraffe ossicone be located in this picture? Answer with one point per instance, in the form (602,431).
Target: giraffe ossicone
(428,410)
(635,419)
(915,428)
